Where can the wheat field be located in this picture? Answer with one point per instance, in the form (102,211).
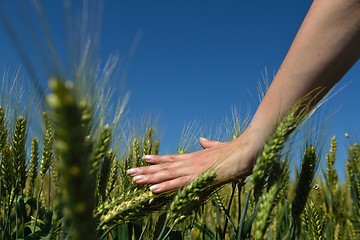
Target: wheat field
(64,176)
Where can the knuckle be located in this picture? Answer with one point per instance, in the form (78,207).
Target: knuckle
(143,170)
(164,166)
(172,173)
(185,180)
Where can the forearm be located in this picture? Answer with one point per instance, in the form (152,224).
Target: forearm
(325,48)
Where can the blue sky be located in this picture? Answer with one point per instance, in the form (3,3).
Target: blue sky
(196,59)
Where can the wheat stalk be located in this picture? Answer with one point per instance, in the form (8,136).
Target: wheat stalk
(136,153)
(7,176)
(271,151)
(33,168)
(127,207)
(101,146)
(148,142)
(3,129)
(77,185)
(265,206)
(315,222)
(113,175)
(330,161)
(105,173)
(19,154)
(303,185)
(48,139)
(186,199)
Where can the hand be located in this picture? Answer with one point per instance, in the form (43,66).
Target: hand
(230,160)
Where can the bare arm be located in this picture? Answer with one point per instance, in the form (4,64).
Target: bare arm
(325,48)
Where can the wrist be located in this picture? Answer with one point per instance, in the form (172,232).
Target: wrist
(250,143)
(255,137)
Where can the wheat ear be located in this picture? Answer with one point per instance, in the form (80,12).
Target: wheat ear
(188,198)
(101,146)
(33,168)
(331,174)
(77,185)
(272,149)
(113,175)
(48,155)
(104,174)
(303,185)
(19,153)
(3,129)
(266,204)
(7,176)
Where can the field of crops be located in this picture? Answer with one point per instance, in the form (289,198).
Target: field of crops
(69,180)
(72,181)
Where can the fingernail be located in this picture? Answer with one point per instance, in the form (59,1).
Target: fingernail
(138,178)
(147,157)
(154,188)
(132,171)
(204,139)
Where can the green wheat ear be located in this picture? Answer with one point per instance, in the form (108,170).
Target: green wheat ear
(271,151)
(303,185)
(126,207)
(76,183)
(48,155)
(190,197)
(19,153)
(350,232)
(148,142)
(3,129)
(33,168)
(266,204)
(353,178)
(155,150)
(353,162)
(7,176)
(113,175)
(101,146)
(315,226)
(136,153)
(86,115)
(330,161)
(105,173)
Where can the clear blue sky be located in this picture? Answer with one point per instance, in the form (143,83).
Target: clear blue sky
(197,59)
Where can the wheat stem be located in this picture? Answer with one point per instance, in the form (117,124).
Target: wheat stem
(77,185)
(33,168)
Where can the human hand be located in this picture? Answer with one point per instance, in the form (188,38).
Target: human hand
(229,160)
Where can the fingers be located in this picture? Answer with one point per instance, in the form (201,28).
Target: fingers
(159,173)
(166,176)
(169,172)
(206,143)
(147,169)
(171,184)
(156,159)
(160,163)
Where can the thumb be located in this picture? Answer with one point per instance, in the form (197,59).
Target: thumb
(206,143)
